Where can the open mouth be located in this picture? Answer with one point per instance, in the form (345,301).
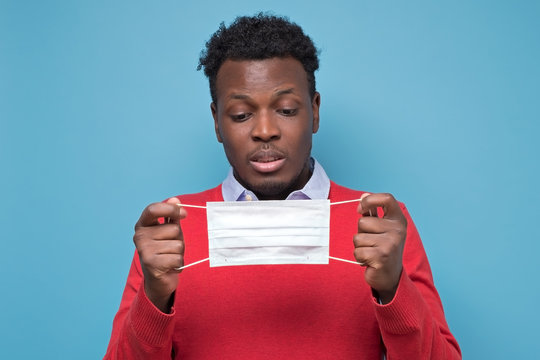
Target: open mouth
(266,161)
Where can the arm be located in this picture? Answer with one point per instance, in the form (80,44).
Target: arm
(410,314)
(140,329)
(144,324)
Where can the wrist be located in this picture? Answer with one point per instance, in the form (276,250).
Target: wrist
(387,294)
(385,297)
(163,302)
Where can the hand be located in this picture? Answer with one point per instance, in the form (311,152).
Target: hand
(161,250)
(379,243)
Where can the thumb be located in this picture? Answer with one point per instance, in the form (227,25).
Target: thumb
(363,209)
(173,200)
(176,201)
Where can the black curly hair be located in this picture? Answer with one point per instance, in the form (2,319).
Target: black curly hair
(258,37)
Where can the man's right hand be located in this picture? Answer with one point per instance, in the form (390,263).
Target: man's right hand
(161,250)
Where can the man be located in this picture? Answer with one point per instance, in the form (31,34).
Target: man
(266,110)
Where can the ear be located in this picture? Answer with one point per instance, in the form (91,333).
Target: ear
(213,108)
(315,105)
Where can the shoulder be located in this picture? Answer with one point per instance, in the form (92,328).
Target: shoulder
(200,198)
(342,193)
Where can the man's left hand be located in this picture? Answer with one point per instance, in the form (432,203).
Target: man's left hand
(379,243)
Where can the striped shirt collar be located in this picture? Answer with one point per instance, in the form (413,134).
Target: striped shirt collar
(318,187)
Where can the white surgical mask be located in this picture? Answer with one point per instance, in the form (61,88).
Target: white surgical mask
(268,232)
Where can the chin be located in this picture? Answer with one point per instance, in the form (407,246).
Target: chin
(271,189)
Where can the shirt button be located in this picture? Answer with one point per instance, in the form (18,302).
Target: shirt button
(248,197)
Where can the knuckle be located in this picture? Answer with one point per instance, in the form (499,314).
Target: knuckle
(138,237)
(364,223)
(177,229)
(357,238)
(141,235)
(384,252)
(400,232)
(393,248)
(405,222)
(142,249)
(178,261)
(146,260)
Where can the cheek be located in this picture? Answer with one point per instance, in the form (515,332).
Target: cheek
(303,141)
(234,144)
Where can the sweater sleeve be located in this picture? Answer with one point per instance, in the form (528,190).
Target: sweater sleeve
(140,330)
(413,325)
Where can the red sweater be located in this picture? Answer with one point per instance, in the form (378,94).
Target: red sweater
(285,311)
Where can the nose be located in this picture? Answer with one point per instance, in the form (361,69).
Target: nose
(265,127)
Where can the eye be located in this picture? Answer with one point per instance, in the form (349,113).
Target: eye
(288,112)
(240,117)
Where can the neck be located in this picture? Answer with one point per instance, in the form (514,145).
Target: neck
(282,191)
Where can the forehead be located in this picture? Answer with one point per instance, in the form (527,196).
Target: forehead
(258,76)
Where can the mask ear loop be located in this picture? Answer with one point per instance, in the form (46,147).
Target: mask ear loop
(199,261)
(340,259)
(192,206)
(193,263)
(344,260)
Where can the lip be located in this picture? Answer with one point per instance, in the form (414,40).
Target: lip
(267,161)
(267,167)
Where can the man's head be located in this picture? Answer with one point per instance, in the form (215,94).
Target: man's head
(265,106)
(257,38)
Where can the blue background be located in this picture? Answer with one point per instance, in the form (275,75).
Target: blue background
(102,112)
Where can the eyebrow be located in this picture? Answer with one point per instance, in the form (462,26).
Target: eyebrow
(276,94)
(238,97)
(284,92)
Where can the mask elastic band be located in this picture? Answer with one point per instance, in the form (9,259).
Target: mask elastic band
(193,263)
(203,260)
(340,259)
(192,206)
(344,202)
(204,207)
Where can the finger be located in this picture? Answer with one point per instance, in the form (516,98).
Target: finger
(366,256)
(365,212)
(387,202)
(366,240)
(174,201)
(172,247)
(373,225)
(171,231)
(171,262)
(153,212)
